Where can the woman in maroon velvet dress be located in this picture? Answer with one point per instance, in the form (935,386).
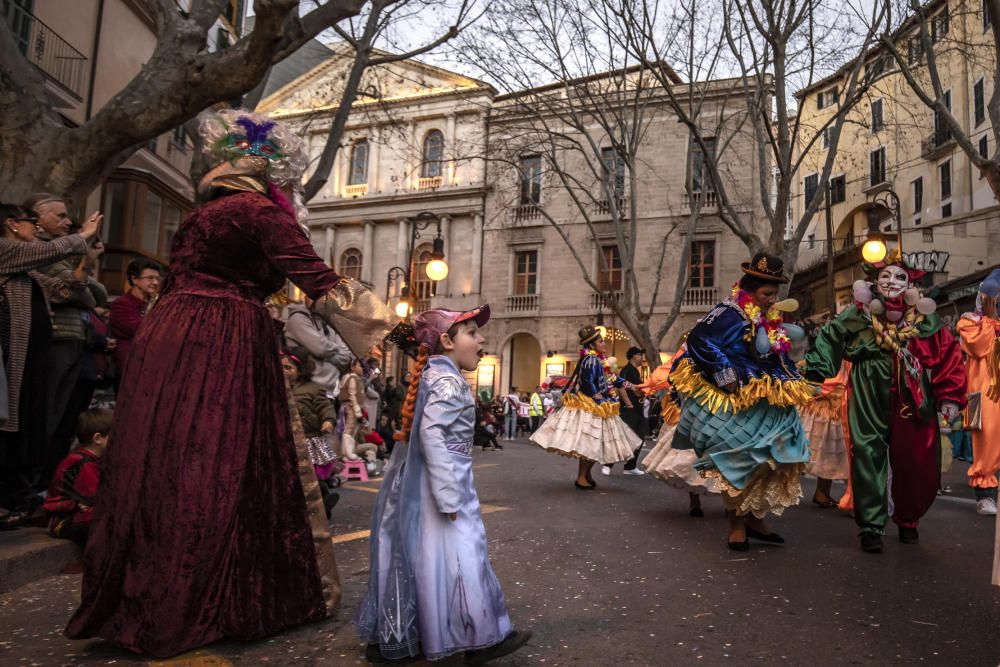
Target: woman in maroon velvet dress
(202,530)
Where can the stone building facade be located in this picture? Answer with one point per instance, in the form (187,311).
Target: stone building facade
(423,152)
(892,143)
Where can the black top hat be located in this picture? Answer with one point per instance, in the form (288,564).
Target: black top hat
(766,267)
(589,334)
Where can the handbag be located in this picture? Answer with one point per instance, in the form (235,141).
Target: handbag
(320,450)
(974,412)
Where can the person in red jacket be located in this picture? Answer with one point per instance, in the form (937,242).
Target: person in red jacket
(128,310)
(73,491)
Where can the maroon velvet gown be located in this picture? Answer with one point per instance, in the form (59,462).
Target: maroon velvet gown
(201,526)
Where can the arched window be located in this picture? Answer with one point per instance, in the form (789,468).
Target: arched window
(351,261)
(423,287)
(433,155)
(359,163)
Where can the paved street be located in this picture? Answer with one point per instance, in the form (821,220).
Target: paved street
(624,576)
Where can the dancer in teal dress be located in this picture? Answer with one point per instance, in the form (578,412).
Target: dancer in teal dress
(741,394)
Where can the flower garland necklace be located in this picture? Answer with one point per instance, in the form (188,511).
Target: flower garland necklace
(771,321)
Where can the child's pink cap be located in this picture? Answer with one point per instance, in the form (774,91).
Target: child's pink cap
(430,324)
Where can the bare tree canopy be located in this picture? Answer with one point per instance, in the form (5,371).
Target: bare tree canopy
(180,79)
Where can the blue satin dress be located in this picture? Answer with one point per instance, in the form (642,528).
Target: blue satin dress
(751,440)
(432,589)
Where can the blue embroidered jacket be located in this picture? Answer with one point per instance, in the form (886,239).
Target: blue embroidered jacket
(719,348)
(592,381)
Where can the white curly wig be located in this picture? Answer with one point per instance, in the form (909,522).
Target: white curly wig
(284,171)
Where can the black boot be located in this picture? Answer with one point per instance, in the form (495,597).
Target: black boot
(908,535)
(871,542)
(513,641)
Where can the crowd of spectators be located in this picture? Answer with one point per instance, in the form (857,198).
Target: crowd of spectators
(63,344)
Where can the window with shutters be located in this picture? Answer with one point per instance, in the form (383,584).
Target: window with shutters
(526,272)
(609,271)
(944,177)
(876,166)
(359,163)
(918,194)
(979,102)
(878,122)
(531,179)
(614,172)
(350,263)
(810,186)
(838,189)
(433,155)
(702,264)
(939,25)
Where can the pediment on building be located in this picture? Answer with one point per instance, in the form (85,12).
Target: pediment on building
(321,88)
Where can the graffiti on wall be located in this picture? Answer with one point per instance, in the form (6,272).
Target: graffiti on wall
(929,262)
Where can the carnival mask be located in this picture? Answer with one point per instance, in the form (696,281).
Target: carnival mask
(254,141)
(892,281)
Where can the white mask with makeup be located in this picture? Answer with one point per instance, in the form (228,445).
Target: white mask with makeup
(892,281)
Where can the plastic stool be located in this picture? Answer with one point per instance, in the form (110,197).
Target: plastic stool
(356,470)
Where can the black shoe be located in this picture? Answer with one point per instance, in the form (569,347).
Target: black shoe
(908,535)
(696,511)
(585,488)
(513,641)
(871,542)
(374,654)
(740,546)
(771,538)
(590,478)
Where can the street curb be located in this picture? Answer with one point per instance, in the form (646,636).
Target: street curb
(29,554)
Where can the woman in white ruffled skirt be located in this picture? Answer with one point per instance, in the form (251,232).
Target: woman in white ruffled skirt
(587,426)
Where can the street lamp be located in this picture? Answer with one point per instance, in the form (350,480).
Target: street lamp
(874,249)
(437,268)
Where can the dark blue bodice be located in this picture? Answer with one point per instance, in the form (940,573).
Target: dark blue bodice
(719,348)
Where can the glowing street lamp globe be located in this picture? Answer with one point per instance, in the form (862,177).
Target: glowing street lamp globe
(403,308)
(437,269)
(873,251)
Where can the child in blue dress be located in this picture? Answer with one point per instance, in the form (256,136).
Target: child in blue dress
(432,590)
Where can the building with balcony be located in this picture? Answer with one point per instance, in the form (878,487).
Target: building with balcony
(891,141)
(421,152)
(87,51)
(535,280)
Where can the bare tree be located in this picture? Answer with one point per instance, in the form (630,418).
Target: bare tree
(180,79)
(773,49)
(592,132)
(917,36)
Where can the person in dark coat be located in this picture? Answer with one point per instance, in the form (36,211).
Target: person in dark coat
(632,411)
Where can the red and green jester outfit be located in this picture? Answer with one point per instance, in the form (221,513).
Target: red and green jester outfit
(892,411)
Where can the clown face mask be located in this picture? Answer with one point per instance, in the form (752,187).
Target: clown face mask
(892,281)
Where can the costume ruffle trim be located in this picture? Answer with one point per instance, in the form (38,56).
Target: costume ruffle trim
(773,488)
(587,404)
(671,413)
(826,407)
(788,393)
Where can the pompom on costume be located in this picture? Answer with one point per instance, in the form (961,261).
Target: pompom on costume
(980,336)
(750,439)
(209,523)
(431,588)
(588,426)
(905,367)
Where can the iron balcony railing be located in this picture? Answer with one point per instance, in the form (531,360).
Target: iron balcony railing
(44,48)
